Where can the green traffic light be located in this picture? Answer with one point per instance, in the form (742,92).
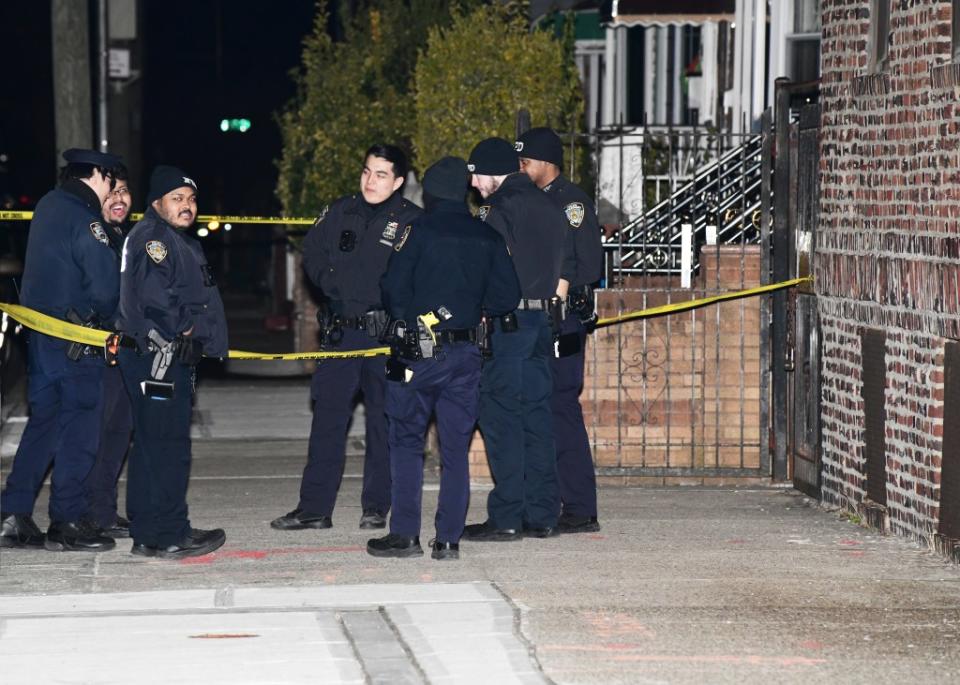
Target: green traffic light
(241,125)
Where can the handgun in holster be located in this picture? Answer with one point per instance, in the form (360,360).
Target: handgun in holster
(485,336)
(564,344)
(581,302)
(331,330)
(76,350)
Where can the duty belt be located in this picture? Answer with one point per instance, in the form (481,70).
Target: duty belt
(535,305)
(455,335)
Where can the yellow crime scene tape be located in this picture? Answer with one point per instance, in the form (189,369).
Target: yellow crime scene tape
(201,218)
(65,330)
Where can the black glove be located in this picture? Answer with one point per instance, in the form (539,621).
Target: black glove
(189,351)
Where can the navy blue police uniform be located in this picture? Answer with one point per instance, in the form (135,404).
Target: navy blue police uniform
(344,254)
(582,269)
(515,416)
(70,272)
(115,429)
(452,265)
(167,290)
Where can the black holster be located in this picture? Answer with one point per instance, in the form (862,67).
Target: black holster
(77,350)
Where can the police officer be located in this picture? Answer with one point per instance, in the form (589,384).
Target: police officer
(450,265)
(345,254)
(70,273)
(170,306)
(541,158)
(515,388)
(117,418)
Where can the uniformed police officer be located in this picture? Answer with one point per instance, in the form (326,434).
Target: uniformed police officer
(541,158)
(345,254)
(515,388)
(117,418)
(170,305)
(451,265)
(70,273)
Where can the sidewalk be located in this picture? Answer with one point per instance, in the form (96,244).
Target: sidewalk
(679,586)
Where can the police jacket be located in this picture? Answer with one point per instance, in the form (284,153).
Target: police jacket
(534,229)
(346,251)
(166,284)
(583,259)
(447,259)
(69,263)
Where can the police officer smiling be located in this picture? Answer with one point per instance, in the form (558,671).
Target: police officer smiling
(170,305)
(345,254)
(70,273)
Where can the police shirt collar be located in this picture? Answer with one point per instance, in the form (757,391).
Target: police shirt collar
(556,184)
(82,192)
(361,207)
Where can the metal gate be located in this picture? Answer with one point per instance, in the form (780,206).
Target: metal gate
(681,398)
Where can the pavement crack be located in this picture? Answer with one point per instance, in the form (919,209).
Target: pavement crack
(519,634)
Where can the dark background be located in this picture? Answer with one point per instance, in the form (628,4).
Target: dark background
(203,61)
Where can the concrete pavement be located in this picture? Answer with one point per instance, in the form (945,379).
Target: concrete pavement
(679,586)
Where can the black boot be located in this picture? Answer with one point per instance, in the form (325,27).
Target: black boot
(395,546)
(20,530)
(76,536)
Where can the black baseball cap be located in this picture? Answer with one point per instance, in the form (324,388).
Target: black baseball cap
(104,160)
(541,143)
(493,157)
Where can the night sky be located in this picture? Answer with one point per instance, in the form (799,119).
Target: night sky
(184,96)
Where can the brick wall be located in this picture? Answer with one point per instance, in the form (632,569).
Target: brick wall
(679,391)
(887,247)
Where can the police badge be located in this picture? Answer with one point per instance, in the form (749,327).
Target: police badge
(156,250)
(574,212)
(390,232)
(99,233)
(482,212)
(403,238)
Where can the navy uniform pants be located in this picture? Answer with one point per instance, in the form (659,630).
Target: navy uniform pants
(115,428)
(64,428)
(575,472)
(450,386)
(517,425)
(333,390)
(159,467)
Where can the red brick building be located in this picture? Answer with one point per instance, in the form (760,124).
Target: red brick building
(886,265)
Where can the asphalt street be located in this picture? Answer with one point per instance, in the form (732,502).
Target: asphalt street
(679,586)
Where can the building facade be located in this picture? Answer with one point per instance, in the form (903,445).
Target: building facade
(887,251)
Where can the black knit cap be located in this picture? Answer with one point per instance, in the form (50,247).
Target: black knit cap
(493,157)
(447,179)
(541,143)
(166,178)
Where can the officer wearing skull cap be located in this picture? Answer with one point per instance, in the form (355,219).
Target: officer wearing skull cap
(515,387)
(452,265)
(70,273)
(541,158)
(170,305)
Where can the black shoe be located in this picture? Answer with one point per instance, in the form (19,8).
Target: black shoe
(298,519)
(119,529)
(79,536)
(578,524)
(395,546)
(485,532)
(142,550)
(444,550)
(20,530)
(544,532)
(196,544)
(372,519)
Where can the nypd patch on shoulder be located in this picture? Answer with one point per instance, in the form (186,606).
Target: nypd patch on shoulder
(322,215)
(574,212)
(403,238)
(97,229)
(156,250)
(482,212)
